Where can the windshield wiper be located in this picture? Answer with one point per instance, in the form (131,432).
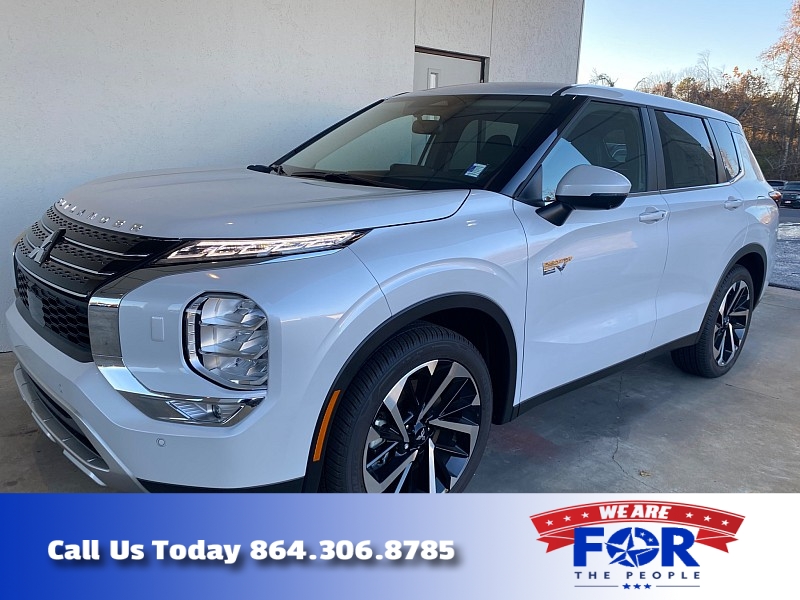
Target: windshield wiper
(344,177)
(267,169)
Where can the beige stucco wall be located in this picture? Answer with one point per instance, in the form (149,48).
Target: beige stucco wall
(89,88)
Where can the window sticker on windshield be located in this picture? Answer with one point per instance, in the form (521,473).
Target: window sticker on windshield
(475,170)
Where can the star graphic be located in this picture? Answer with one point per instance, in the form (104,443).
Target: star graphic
(585,515)
(637,586)
(568,518)
(689,515)
(549,522)
(623,551)
(627,586)
(647,586)
(706,518)
(725,522)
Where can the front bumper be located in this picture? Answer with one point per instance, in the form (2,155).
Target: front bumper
(113,443)
(320,310)
(63,429)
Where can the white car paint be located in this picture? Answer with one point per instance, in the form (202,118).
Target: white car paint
(245,204)
(625,281)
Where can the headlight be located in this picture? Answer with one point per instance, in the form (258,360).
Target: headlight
(229,249)
(227,340)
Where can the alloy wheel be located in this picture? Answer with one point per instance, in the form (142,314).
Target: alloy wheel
(424,432)
(731,322)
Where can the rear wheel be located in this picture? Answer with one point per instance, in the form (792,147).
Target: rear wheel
(724,329)
(415,419)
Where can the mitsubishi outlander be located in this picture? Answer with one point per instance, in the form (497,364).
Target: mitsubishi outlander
(356,314)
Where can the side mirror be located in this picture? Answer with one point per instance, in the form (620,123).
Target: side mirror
(586,187)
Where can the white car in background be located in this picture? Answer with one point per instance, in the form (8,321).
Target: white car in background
(355,315)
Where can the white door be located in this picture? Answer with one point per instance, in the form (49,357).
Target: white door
(593,282)
(707,225)
(436,70)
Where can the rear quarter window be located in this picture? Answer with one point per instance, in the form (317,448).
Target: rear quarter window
(727,148)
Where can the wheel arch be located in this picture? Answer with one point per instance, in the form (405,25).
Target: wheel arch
(752,257)
(476,317)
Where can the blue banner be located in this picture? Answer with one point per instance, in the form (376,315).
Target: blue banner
(385,547)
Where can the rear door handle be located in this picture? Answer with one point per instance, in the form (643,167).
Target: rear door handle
(733,203)
(652,215)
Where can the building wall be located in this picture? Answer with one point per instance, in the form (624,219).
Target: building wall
(89,88)
(525,40)
(463,26)
(536,41)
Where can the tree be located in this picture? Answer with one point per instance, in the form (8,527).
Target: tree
(766,104)
(784,58)
(602,79)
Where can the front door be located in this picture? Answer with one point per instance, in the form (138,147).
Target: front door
(593,282)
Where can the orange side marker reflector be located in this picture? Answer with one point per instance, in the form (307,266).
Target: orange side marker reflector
(323,429)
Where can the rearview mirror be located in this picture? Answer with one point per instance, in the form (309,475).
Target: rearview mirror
(586,187)
(426,126)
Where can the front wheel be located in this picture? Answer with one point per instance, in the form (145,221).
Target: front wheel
(724,328)
(415,419)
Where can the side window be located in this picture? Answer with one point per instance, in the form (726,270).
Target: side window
(688,156)
(604,135)
(727,148)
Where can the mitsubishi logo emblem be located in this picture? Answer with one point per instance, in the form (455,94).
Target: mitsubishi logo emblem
(42,253)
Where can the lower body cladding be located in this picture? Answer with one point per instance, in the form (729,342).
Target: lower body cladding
(317,314)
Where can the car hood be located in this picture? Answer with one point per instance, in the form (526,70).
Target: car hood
(239,203)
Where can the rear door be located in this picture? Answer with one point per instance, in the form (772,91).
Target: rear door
(707,219)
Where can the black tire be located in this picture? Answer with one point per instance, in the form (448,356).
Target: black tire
(368,449)
(724,329)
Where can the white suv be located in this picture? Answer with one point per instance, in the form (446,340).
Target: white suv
(353,316)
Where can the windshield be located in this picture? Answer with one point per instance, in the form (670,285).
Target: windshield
(792,186)
(431,142)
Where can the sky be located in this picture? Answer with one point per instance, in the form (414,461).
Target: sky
(630,40)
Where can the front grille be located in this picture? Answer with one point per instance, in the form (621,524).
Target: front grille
(60,314)
(56,292)
(91,235)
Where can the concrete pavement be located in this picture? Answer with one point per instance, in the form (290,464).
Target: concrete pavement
(786,272)
(651,428)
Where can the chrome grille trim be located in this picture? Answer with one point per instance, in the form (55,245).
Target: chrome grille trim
(84,269)
(56,283)
(93,248)
(30,246)
(104,251)
(49,284)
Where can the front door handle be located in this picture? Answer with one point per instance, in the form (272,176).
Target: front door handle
(652,215)
(733,203)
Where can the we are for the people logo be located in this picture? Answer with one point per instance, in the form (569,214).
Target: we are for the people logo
(654,547)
